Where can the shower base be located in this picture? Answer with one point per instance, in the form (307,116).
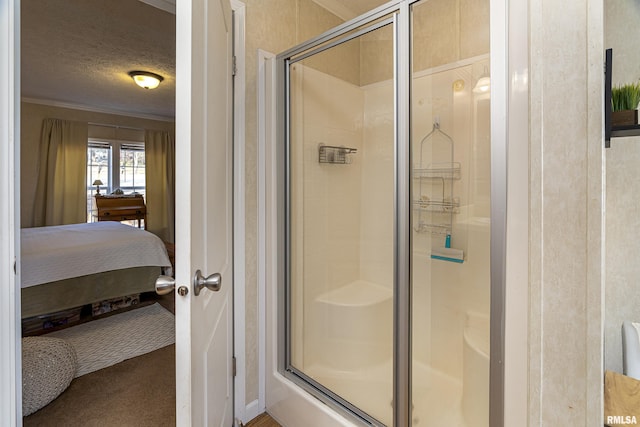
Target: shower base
(436,396)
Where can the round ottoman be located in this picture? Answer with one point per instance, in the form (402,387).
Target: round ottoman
(48,366)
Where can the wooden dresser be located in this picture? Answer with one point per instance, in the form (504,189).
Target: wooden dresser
(121,208)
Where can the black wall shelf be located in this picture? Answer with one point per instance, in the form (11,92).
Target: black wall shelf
(632,130)
(609,130)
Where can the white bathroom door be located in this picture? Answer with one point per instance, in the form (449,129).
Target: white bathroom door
(204,159)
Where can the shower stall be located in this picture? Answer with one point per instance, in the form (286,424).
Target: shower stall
(385,215)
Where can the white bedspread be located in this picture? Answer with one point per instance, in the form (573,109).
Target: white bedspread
(66,251)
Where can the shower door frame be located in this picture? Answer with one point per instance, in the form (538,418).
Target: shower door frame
(400,12)
(388,14)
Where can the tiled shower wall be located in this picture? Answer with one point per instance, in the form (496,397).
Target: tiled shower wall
(348,209)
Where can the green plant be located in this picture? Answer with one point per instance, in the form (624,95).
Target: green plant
(625,97)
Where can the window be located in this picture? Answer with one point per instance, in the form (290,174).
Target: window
(128,175)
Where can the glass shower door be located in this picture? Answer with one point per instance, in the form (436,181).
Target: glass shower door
(340,209)
(450,143)
(387,231)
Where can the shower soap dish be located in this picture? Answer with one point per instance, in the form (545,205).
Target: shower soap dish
(332,154)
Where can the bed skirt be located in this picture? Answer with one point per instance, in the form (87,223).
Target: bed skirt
(69,293)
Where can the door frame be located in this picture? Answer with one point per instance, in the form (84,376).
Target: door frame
(11,350)
(243,411)
(10,332)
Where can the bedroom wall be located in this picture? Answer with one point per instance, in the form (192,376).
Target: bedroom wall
(31,123)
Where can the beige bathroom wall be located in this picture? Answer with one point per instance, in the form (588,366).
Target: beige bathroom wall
(621,34)
(342,61)
(565,213)
(273,26)
(622,296)
(444,31)
(436,33)
(474,27)
(622,290)
(376,48)
(30,127)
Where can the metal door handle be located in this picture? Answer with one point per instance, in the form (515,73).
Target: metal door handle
(166,285)
(212,282)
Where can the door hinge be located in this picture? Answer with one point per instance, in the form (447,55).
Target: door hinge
(234,369)
(234,68)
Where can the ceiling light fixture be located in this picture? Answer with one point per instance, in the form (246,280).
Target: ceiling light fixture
(146,79)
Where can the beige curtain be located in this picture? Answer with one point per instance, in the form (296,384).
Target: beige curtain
(160,150)
(61,191)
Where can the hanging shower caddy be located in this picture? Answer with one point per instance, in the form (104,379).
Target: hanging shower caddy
(435,203)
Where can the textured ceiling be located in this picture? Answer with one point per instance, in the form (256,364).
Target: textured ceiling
(80,52)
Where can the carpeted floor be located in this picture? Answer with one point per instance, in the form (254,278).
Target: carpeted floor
(110,340)
(138,392)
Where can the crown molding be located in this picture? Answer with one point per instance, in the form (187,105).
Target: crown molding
(94,109)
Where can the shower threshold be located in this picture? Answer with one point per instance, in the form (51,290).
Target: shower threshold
(436,395)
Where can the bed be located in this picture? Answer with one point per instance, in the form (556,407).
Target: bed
(72,265)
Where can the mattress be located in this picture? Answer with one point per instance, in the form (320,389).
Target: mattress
(52,254)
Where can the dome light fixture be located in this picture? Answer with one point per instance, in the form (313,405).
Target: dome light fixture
(145,79)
